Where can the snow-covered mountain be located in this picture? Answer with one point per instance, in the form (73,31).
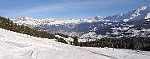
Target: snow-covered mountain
(51,21)
(55,26)
(21,46)
(139,13)
(110,26)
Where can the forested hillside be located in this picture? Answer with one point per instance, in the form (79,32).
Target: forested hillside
(9,25)
(135,43)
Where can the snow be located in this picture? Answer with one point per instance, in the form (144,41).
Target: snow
(89,35)
(139,13)
(68,40)
(126,20)
(148,16)
(50,21)
(21,46)
(26,20)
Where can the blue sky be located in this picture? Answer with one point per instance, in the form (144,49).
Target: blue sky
(67,9)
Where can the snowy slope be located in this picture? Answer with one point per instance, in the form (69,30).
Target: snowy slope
(20,46)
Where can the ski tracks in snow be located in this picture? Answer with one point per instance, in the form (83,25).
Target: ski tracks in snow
(98,53)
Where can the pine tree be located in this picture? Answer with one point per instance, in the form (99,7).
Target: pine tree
(75,42)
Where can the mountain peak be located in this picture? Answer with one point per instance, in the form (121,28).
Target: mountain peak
(23,18)
(144,7)
(98,18)
(139,13)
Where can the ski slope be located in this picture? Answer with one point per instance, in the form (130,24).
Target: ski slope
(21,46)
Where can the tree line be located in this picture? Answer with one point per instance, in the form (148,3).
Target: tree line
(9,25)
(135,43)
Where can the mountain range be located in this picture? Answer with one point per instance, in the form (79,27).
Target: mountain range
(133,23)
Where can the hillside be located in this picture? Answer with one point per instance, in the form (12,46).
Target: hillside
(21,46)
(9,25)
